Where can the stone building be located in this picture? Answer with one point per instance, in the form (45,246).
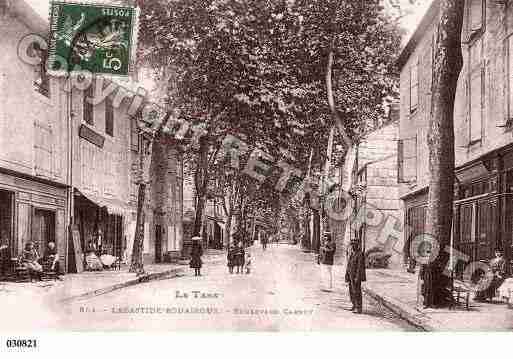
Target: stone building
(483,129)
(376,173)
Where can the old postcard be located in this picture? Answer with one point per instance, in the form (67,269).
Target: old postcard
(249,165)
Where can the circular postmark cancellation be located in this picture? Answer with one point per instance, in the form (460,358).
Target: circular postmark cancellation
(88,37)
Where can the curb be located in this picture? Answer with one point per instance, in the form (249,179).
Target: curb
(405,312)
(171,273)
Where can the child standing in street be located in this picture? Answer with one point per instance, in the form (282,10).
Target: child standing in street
(248,262)
(231,258)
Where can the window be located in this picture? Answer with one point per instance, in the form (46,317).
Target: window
(109,117)
(88,108)
(476,90)
(134,134)
(42,81)
(414,87)
(475,17)
(509,61)
(407,160)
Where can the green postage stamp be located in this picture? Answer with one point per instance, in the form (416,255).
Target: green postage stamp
(93,37)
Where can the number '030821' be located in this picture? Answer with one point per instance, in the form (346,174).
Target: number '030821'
(21,343)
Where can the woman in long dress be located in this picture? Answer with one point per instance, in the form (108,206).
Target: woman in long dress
(93,263)
(196,253)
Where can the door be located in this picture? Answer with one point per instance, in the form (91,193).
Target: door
(158,244)
(43,229)
(486,240)
(6,220)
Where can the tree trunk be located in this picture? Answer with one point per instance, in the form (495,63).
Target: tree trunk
(306,244)
(316,235)
(447,66)
(227,230)
(137,265)
(201,182)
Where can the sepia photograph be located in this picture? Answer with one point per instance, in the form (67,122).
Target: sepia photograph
(255,166)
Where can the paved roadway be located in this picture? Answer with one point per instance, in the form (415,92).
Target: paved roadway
(282,293)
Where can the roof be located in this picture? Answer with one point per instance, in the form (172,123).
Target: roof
(426,21)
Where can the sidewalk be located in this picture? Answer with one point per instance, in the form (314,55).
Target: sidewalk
(89,284)
(397,290)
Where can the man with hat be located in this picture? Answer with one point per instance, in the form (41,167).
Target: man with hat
(327,252)
(355,275)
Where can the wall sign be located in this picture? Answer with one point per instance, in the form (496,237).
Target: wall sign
(91,136)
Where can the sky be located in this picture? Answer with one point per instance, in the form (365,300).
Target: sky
(409,22)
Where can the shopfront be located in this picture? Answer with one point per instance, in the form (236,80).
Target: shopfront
(483,208)
(102,225)
(33,210)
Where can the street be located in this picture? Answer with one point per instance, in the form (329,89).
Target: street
(282,293)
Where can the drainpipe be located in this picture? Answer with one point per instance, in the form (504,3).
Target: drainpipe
(71,197)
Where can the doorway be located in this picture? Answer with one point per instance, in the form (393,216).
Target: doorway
(6,219)
(43,229)
(158,244)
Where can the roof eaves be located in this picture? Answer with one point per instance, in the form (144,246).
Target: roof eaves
(426,21)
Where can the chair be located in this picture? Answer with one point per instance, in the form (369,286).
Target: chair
(48,272)
(22,274)
(459,292)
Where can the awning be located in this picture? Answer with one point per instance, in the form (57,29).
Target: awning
(112,205)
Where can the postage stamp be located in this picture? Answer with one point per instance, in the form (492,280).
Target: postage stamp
(99,38)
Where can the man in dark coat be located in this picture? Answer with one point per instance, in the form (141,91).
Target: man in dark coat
(355,275)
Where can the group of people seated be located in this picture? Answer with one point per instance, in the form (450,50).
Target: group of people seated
(497,277)
(33,262)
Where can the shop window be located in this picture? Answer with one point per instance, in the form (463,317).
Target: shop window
(88,109)
(109,117)
(407,160)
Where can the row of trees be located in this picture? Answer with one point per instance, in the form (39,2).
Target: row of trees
(279,74)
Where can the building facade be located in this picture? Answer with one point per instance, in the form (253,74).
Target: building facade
(34,177)
(482,123)
(68,164)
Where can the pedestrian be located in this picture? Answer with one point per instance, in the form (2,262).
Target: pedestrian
(248,262)
(263,240)
(230,257)
(327,253)
(240,257)
(196,253)
(355,275)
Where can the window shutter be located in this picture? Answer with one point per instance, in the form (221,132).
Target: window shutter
(88,108)
(400,160)
(476,105)
(509,83)
(407,160)
(414,87)
(109,117)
